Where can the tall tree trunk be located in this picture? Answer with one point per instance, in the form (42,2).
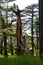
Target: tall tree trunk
(41,27)
(19,32)
(19,29)
(32,42)
(5,43)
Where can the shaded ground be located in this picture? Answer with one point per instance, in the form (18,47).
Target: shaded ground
(20,60)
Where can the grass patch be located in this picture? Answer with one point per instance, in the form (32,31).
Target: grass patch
(20,60)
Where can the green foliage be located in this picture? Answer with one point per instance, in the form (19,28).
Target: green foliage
(36,23)
(21,60)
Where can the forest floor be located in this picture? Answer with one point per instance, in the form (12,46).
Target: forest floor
(20,60)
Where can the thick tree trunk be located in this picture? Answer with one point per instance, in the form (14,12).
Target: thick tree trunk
(19,33)
(41,27)
(19,29)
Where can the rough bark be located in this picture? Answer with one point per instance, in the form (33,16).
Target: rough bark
(19,30)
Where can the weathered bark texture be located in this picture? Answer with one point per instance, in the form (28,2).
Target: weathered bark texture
(19,30)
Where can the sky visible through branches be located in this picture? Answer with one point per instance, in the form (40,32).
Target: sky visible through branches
(22,4)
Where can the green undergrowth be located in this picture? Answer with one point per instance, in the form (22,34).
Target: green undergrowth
(20,60)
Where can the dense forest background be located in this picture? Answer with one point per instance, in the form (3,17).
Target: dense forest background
(14,25)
